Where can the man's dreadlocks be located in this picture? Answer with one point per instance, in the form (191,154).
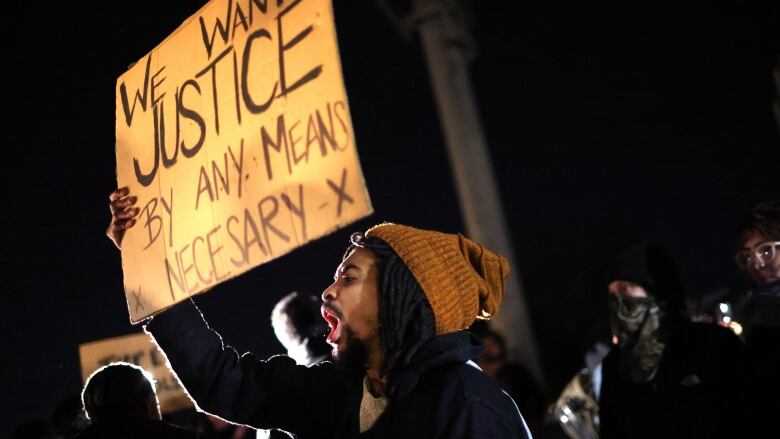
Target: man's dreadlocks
(405,316)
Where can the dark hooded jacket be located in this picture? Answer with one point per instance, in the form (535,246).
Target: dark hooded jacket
(761,319)
(440,394)
(698,390)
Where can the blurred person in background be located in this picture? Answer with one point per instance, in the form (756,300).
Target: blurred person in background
(515,379)
(759,310)
(120,401)
(300,328)
(666,376)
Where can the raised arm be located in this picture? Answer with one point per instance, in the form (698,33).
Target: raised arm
(275,393)
(239,388)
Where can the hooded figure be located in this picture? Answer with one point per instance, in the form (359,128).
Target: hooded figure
(666,376)
(643,321)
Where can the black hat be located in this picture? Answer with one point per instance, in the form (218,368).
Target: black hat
(651,266)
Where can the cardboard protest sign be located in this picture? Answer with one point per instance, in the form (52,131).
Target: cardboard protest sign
(137,349)
(236,137)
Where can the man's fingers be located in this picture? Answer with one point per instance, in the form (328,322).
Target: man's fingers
(121,204)
(123,224)
(127,213)
(119,193)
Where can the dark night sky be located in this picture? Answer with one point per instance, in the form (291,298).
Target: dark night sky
(605,125)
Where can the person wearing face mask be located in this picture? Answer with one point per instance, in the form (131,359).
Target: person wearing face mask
(666,376)
(759,312)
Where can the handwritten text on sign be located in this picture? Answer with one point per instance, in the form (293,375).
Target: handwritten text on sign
(235,136)
(136,349)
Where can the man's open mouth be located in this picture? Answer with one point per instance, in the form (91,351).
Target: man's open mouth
(329,314)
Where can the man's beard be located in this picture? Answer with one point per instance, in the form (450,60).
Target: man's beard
(354,355)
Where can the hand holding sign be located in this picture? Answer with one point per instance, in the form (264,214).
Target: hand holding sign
(123,214)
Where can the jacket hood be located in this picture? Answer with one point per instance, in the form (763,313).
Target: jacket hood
(441,350)
(651,266)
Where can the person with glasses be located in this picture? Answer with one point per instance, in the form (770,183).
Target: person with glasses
(759,239)
(757,257)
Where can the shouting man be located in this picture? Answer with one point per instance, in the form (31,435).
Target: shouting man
(398,309)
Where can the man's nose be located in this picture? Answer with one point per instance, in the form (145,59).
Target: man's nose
(330,293)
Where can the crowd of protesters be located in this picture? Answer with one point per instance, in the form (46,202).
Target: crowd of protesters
(399,346)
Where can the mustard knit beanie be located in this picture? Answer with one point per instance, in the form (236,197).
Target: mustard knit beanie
(462,280)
